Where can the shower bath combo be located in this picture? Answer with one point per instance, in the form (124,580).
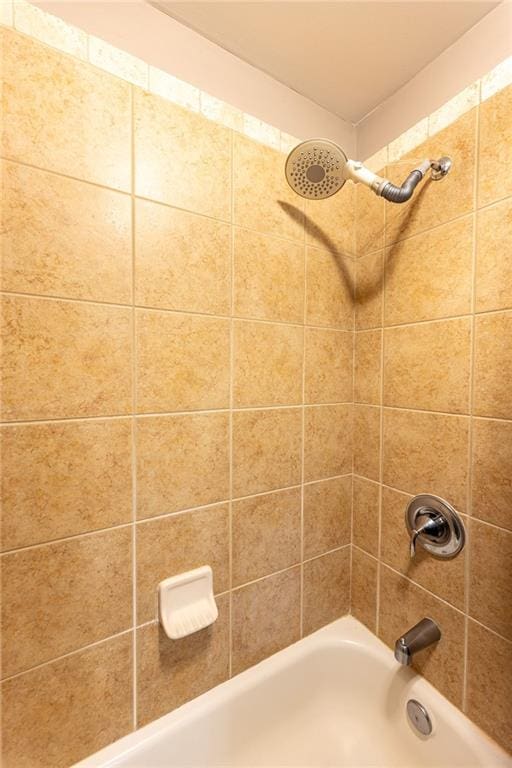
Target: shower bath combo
(318,168)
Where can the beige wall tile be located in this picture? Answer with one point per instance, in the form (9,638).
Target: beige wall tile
(265,534)
(444,578)
(489,683)
(182,260)
(329,289)
(370,228)
(258,632)
(84,128)
(453,109)
(426,453)
(364,588)
(330,223)
(493,257)
(491,484)
(428,366)
(220,111)
(52,30)
(79,591)
(495,147)
(179,543)
(493,366)
(59,480)
(367,440)
(260,131)
(171,88)
(263,201)
(181,158)
(326,589)
(266,450)
(367,371)
(65,359)
(182,362)
(117,62)
(328,441)
(365,530)
(63,237)
(87,704)
(267,364)
(434,203)
(369,290)
(490,577)
(441,664)
(408,140)
(429,276)
(269,277)
(182,462)
(499,77)
(170,672)
(327,513)
(329,363)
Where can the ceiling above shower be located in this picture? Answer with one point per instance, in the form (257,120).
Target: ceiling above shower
(345,56)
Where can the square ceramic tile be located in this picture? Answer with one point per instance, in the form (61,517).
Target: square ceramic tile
(266,532)
(367,367)
(87,704)
(182,362)
(365,521)
(491,469)
(492,395)
(64,238)
(327,441)
(65,359)
(63,479)
(50,586)
(495,147)
(327,515)
(182,260)
(269,277)
(490,584)
(84,128)
(326,589)
(329,289)
(493,258)
(182,462)
(267,448)
(364,588)
(267,364)
(181,158)
(329,366)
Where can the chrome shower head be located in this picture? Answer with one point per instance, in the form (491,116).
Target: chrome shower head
(318,168)
(314,169)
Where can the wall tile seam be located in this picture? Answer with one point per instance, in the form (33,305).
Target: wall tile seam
(173,311)
(170,414)
(263,133)
(139,625)
(176,513)
(467,515)
(442,600)
(151,622)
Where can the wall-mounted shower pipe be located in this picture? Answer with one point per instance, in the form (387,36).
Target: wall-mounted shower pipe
(318,168)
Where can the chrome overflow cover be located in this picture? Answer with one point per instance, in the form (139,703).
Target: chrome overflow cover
(419,717)
(435,525)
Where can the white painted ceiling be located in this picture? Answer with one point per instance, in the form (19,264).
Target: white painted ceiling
(345,56)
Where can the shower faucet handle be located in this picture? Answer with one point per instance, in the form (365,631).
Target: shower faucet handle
(434,528)
(435,525)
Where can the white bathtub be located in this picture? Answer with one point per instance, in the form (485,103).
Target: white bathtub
(336,698)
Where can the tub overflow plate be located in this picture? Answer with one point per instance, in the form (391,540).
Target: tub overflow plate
(419,717)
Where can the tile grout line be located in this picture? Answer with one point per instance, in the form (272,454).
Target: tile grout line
(231,413)
(133,420)
(382,361)
(303,431)
(469,501)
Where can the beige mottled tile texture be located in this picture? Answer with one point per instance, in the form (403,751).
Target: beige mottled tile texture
(432,367)
(182,385)
(177,388)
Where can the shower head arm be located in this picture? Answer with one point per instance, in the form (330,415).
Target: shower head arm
(359,174)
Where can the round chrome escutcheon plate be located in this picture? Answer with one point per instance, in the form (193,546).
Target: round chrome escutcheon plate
(419,717)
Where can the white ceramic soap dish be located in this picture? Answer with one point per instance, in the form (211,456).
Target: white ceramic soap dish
(186,603)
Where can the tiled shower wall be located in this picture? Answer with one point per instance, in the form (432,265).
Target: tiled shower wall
(433,412)
(177,388)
